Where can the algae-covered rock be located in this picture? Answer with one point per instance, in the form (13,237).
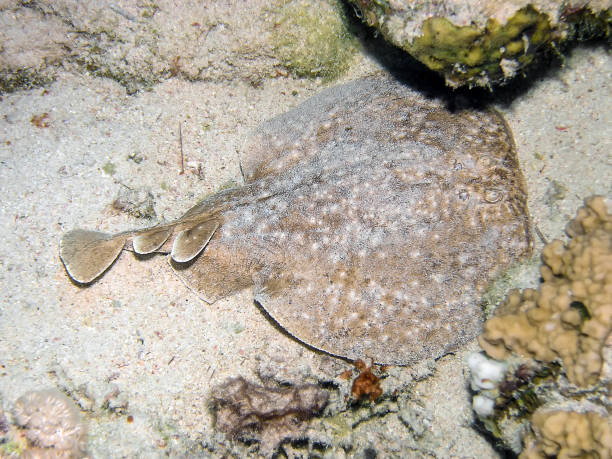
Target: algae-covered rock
(312,38)
(29,44)
(483,43)
(142,43)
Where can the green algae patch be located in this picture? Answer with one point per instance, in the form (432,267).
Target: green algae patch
(12,449)
(109,168)
(312,39)
(23,79)
(481,56)
(583,24)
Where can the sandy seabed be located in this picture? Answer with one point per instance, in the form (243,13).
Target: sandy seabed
(139,344)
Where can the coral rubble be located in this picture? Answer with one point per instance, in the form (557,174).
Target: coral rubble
(270,416)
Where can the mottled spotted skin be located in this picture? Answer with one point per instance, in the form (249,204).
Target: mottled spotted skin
(370,220)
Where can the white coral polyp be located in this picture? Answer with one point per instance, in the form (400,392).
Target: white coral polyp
(483,406)
(486,373)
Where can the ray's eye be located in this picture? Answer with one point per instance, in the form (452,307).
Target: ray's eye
(493,195)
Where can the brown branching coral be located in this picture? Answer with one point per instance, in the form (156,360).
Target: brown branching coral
(570,317)
(269,415)
(51,423)
(568,434)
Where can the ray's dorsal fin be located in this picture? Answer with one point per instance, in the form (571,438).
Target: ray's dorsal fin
(87,254)
(190,242)
(151,240)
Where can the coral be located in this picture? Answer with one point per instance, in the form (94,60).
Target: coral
(487,374)
(482,43)
(567,434)
(46,423)
(270,416)
(556,342)
(366,384)
(570,317)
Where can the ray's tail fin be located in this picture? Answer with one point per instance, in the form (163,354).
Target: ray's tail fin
(87,254)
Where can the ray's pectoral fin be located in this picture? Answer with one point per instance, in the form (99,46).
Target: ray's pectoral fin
(222,269)
(298,303)
(87,254)
(190,242)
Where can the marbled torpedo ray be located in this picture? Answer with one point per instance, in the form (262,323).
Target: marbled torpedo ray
(370,219)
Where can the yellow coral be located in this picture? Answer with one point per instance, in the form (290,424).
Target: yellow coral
(570,317)
(568,434)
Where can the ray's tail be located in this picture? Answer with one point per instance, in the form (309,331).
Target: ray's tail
(88,254)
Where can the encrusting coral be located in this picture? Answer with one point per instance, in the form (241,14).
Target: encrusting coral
(270,416)
(570,317)
(568,434)
(46,424)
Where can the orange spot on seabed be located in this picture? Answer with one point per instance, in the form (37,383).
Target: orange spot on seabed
(40,121)
(367,384)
